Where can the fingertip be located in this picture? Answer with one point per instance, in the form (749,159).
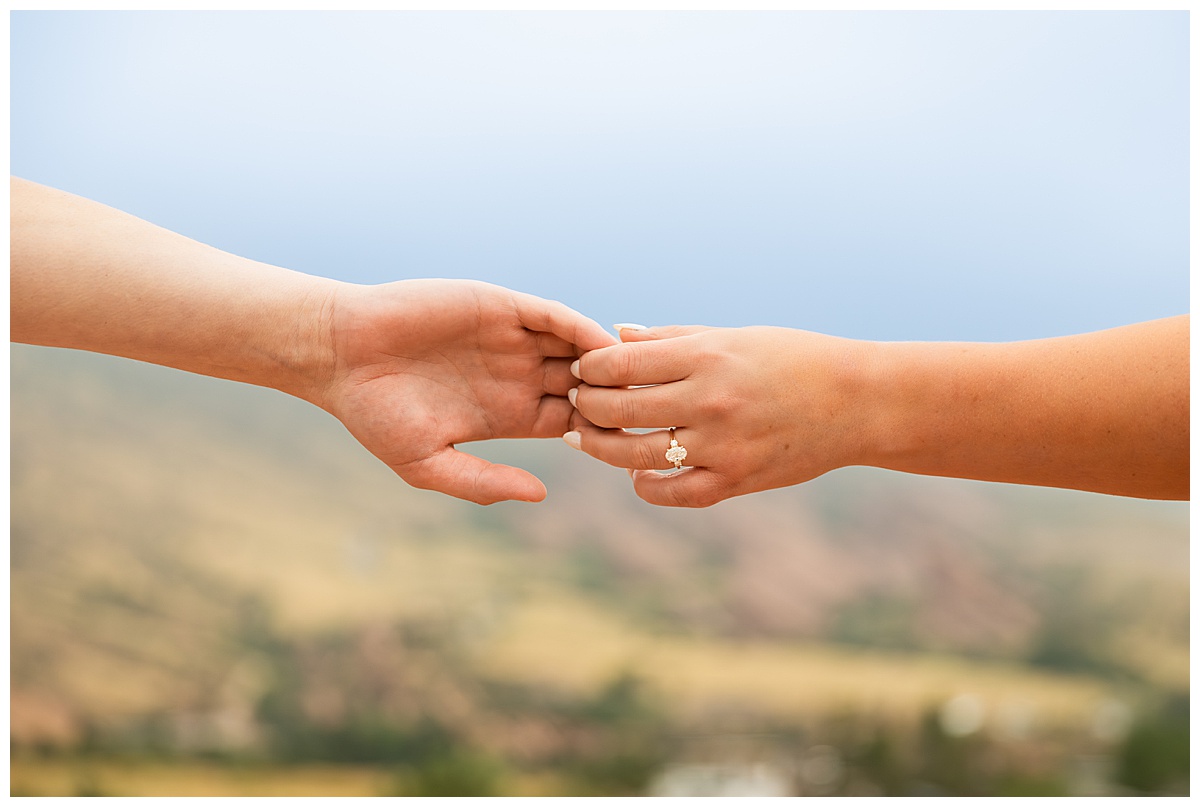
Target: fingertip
(468,477)
(534,494)
(598,337)
(539,314)
(515,484)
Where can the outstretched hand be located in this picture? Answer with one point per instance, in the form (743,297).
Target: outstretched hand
(423,365)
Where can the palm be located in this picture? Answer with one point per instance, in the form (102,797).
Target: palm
(425,365)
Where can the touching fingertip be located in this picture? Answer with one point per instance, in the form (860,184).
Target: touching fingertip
(574,440)
(575,369)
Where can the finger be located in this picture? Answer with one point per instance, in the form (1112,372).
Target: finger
(657,407)
(578,421)
(554,416)
(550,345)
(691,487)
(648,362)
(468,477)
(629,450)
(640,333)
(557,378)
(553,317)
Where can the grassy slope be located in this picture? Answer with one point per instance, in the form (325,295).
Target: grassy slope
(154,513)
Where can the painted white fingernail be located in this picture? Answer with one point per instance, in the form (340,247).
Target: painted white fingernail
(574,440)
(575,369)
(571,395)
(628,326)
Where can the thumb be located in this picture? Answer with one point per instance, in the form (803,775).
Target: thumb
(466,476)
(640,333)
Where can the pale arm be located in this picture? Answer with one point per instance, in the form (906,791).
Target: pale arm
(412,368)
(86,276)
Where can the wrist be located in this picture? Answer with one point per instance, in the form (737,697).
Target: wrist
(882,401)
(302,351)
(845,385)
(916,405)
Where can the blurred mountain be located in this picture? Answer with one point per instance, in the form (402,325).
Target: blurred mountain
(171,535)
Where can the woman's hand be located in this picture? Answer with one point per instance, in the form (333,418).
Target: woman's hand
(759,408)
(756,408)
(421,365)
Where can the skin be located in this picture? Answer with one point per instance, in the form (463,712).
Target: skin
(760,408)
(411,368)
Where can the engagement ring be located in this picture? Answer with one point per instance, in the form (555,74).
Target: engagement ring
(676,453)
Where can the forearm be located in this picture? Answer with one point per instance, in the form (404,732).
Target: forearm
(1105,411)
(87,276)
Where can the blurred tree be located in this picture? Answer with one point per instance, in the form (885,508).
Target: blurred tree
(1155,757)
(459,772)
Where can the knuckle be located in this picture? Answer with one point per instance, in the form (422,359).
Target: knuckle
(711,352)
(728,403)
(646,455)
(625,409)
(627,364)
(722,405)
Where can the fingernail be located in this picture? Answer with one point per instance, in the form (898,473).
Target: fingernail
(575,369)
(574,440)
(571,394)
(628,326)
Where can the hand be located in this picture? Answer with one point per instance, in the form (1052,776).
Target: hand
(421,365)
(760,408)
(756,408)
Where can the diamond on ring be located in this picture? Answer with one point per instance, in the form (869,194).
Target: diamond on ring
(676,453)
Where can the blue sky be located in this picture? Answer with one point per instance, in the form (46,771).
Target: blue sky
(970,175)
